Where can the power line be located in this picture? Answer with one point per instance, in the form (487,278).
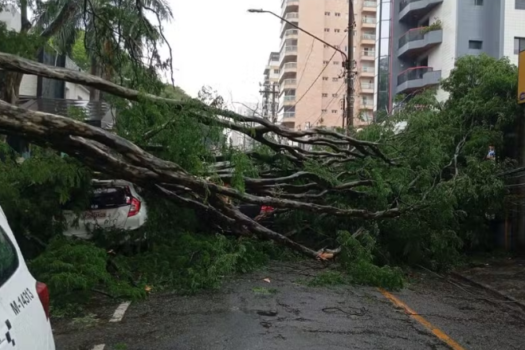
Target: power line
(317,78)
(306,64)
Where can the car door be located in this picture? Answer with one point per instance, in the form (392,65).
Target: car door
(9,264)
(24,323)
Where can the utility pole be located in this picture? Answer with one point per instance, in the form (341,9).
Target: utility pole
(350,67)
(343,103)
(274,93)
(266,92)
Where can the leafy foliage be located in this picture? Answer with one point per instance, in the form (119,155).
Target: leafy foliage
(72,270)
(33,194)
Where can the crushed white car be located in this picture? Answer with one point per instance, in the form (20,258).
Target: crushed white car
(115,204)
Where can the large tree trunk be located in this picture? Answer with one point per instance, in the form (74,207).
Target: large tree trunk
(10,86)
(94,93)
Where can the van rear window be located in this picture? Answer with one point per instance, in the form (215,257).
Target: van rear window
(8,258)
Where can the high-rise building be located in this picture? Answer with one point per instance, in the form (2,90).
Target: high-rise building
(420,40)
(312,84)
(270,87)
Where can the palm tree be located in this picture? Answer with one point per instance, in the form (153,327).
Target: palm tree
(114,32)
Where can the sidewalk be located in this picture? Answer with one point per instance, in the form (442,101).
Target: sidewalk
(504,276)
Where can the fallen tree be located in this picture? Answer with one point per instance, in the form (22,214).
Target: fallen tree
(357,179)
(114,155)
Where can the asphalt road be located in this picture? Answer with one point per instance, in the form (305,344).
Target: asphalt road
(250,314)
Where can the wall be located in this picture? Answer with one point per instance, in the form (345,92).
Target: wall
(443,57)
(478,23)
(513,26)
(310,56)
(398,29)
(75,91)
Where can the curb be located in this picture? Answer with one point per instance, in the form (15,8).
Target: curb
(492,290)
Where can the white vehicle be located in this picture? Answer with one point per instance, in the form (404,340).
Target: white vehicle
(24,302)
(115,204)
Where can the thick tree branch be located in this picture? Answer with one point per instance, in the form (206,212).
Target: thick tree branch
(18,64)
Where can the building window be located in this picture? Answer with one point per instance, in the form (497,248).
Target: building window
(325,62)
(327,13)
(337,14)
(307,125)
(323,111)
(519,44)
(336,62)
(335,79)
(334,110)
(325,95)
(475,44)
(334,95)
(327,30)
(276,71)
(478,2)
(325,78)
(337,30)
(519,5)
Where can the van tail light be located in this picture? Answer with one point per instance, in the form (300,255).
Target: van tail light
(135,207)
(43,295)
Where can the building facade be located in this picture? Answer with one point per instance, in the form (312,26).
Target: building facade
(270,88)
(420,40)
(312,86)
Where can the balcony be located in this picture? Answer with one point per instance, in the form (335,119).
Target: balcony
(366,105)
(291,34)
(369,6)
(368,55)
(291,17)
(368,22)
(367,88)
(287,100)
(417,78)
(287,115)
(288,84)
(416,9)
(367,71)
(289,6)
(290,67)
(369,39)
(288,50)
(418,40)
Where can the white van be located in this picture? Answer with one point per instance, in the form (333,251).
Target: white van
(24,302)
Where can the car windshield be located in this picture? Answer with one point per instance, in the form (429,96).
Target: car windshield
(8,258)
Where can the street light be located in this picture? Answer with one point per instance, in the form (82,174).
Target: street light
(346,65)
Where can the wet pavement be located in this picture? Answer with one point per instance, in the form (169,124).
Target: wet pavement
(251,314)
(506,275)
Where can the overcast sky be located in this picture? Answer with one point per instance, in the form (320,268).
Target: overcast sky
(218,43)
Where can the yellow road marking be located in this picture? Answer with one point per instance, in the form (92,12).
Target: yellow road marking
(436,331)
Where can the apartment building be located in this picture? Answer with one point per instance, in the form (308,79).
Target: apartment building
(270,87)
(312,87)
(419,40)
(31,85)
